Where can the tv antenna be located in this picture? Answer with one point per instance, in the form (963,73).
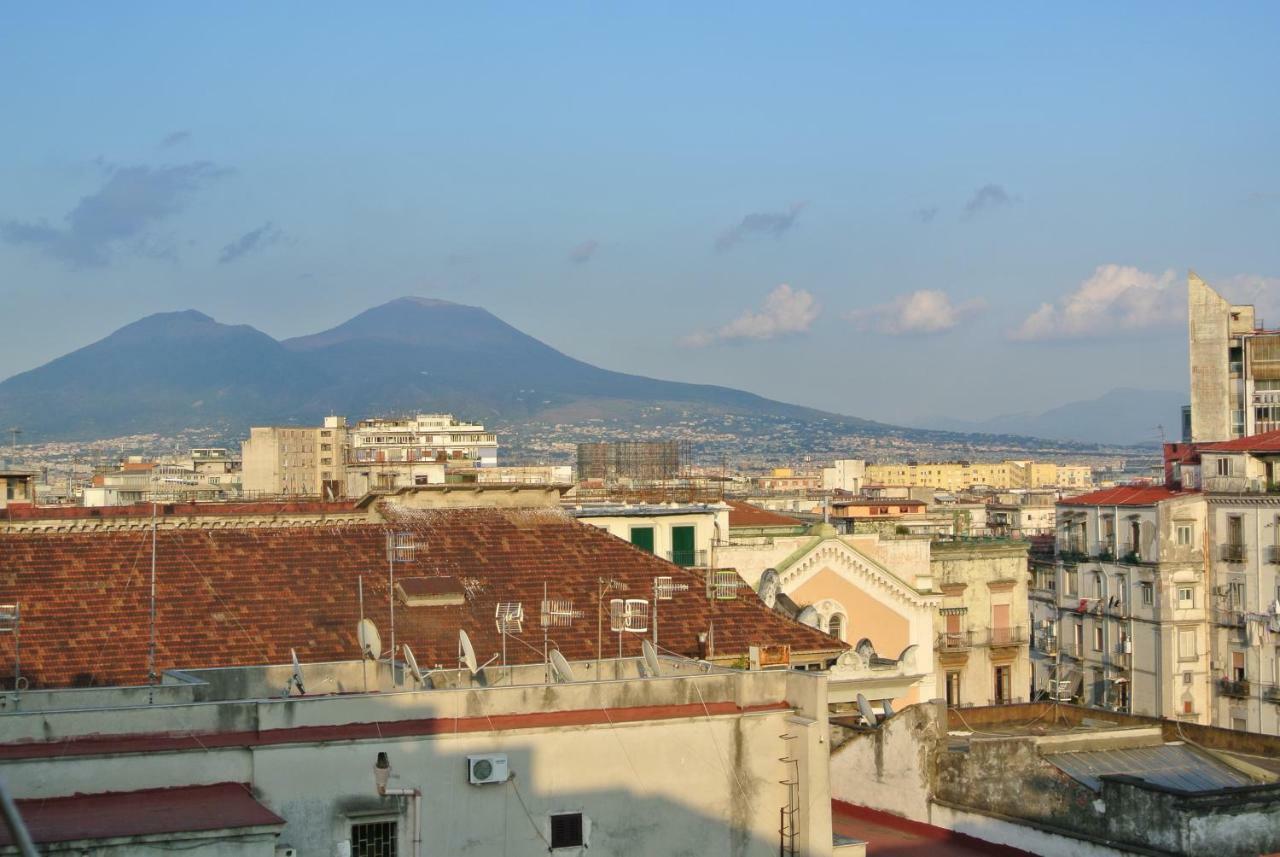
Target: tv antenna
(10,622)
(555,613)
(651,658)
(560,668)
(604,585)
(628,616)
(664,589)
(508,618)
(400,549)
(295,680)
(722,584)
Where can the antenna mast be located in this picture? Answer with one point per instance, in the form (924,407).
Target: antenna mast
(400,548)
(151,651)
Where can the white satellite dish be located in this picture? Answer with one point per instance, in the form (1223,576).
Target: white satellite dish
(369,638)
(864,708)
(888,709)
(560,667)
(467,653)
(650,658)
(412,663)
(297,672)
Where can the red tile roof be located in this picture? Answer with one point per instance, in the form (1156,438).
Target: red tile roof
(141,813)
(28,512)
(1126,495)
(1268,441)
(237,597)
(745,515)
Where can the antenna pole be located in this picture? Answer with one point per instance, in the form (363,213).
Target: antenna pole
(655,612)
(364,675)
(391,601)
(151,649)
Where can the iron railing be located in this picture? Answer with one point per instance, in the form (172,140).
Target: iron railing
(954,641)
(1016,636)
(688,558)
(1234,553)
(1230,687)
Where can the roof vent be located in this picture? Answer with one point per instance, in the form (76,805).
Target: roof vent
(430,591)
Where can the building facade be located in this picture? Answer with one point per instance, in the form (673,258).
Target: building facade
(958,476)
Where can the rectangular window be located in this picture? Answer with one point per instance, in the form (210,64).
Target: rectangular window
(1224,466)
(1072,585)
(373,839)
(1186,598)
(566,830)
(642,537)
(1079,638)
(953,688)
(1097,585)
(1185,535)
(1187,644)
(1148,594)
(1097,637)
(1237,666)
(1002,686)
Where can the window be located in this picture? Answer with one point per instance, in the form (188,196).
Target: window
(1097,637)
(1187,678)
(1186,535)
(1148,593)
(953,687)
(642,537)
(1236,594)
(1001,680)
(1237,666)
(835,626)
(1224,466)
(373,839)
(1097,585)
(1186,597)
(566,830)
(1079,638)
(1073,586)
(1187,644)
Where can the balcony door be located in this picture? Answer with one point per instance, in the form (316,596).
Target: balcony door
(1000,631)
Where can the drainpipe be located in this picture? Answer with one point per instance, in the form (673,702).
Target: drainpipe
(381,776)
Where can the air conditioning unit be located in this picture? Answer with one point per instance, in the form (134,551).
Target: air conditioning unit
(486,769)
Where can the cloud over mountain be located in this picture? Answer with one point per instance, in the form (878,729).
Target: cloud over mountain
(786,311)
(1115,298)
(921,312)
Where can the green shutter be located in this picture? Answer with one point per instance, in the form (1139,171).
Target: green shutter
(642,537)
(682,552)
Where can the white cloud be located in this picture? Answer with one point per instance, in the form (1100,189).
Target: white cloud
(786,311)
(921,312)
(1115,298)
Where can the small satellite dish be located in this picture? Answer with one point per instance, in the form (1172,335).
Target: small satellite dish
(369,638)
(297,672)
(888,709)
(650,658)
(412,663)
(808,616)
(560,667)
(864,708)
(467,653)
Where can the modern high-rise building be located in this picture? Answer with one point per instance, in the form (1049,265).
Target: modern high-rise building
(1235,368)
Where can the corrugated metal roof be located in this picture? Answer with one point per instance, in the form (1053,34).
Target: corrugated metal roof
(1175,766)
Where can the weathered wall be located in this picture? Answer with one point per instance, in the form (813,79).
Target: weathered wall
(888,768)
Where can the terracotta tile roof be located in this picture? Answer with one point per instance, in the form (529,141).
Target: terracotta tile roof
(235,597)
(1266,442)
(745,515)
(28,512)
(1126,495)
(108,815)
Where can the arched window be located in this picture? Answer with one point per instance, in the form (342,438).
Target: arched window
(835,626)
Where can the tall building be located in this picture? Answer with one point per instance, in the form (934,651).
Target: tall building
(961,475)
(1235,368)
(295,460)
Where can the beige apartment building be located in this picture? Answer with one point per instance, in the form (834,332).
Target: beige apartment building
(957,476)
(1235,369)
(981,626)
(295,460)
(17,485)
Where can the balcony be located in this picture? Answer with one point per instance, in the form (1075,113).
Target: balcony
(1046,643)
(1272,554)
(1122,660)
(1238,689)
(1271,693)
(1233,553)
(954,641)
(688,558)
(1228,618)
(1003,637)
(1130,554)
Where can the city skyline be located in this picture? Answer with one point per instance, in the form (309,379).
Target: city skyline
(758,201)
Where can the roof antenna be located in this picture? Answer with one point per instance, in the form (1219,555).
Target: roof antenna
(400,548)
(555,613)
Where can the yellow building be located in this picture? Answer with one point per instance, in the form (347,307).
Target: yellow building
(961,475)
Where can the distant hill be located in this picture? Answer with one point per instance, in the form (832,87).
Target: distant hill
(1122,416)
(183,370)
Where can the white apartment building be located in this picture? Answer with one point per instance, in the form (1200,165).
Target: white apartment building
(1120,613)
(426,437)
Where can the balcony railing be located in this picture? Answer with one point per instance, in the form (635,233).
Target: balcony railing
(688,558)
(1228,618)
(1233,553)
(1273,554)
(1047,643)
(1271,693)
(1130,553)
(1229,687)
(954,641)
(1239,485)
(997,637)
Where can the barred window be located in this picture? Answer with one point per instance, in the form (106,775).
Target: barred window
(373,839)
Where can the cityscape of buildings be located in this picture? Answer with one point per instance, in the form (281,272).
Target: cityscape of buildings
(377,638)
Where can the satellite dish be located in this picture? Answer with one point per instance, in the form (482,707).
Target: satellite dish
(412,663)
(864,708)
(808,616)
(650,658)
(467,653)
(888,708)
(560,667)
(768,587)
(297,672)
(369,638)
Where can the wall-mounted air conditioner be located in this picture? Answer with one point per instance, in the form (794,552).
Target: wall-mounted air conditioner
(486,769)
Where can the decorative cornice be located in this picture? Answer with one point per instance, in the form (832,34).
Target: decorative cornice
(844,559)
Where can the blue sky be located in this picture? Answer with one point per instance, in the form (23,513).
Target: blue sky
(636,185)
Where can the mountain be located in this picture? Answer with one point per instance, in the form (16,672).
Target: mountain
(184,370)
(1123,416)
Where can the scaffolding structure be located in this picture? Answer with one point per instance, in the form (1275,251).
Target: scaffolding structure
(645,471)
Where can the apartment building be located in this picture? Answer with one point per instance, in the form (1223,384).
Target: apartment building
(1235,368)
(17,485)
(295,460)
(956,476)
(425,437)
(981,626)
(1023,513)
(1120,612)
